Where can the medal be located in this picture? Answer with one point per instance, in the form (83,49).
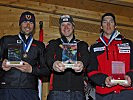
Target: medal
(26,46)
(25,55)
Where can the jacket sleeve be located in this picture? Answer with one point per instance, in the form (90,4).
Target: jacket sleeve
(3,50)
(95,76)
(84,53)
(3,55)
(130,73)
(50,54)
(42,69)
(0,54)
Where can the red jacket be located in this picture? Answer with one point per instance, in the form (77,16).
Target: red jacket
(102,54)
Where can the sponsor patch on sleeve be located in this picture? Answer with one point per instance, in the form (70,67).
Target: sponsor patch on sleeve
(99,49)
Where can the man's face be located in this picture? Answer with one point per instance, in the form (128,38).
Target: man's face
(108,25)
(67,29)
(27,27)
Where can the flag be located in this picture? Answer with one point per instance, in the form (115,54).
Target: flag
(41,31)
(40,39)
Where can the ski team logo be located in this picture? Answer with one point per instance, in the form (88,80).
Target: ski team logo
(28,17)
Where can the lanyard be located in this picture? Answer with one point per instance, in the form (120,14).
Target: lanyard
(111,38)
(27,46)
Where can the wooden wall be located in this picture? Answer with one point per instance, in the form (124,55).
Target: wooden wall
(86,14)
(87,17)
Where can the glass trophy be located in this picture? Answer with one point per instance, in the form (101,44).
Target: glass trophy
(14,54)
(69,54)
(118,72)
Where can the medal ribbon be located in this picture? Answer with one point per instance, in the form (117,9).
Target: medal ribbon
(102,39)
(26,47)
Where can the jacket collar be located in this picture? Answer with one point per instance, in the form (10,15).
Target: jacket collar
(23,37)
(64,39)
(113,36)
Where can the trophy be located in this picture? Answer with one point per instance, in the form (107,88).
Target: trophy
(69,54)
(118,72)
(14,54)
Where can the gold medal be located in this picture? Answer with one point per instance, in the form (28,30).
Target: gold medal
(25,55)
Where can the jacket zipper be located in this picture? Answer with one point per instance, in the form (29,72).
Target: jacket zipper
(107,53)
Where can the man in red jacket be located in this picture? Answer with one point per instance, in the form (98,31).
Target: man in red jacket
(110,53)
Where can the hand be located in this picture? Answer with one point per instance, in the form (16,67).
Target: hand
(128,81)
(59,66)
(25,67)
(78,67)
(108,82)
(5,67)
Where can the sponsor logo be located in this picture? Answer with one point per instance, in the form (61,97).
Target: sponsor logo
(99,49)
(28,17)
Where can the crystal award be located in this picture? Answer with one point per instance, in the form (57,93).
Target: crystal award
(69,54)
(118,72)
(14,54)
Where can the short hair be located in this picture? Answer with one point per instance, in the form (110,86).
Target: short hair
(108,14)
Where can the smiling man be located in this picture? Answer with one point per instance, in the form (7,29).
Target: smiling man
(66,82)
(20,82)
(111,65)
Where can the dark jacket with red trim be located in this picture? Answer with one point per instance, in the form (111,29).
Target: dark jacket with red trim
(68,80)
(102,55)
(14,78)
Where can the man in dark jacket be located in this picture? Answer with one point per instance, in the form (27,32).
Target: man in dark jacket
(111,65)
(66,81)
(20,82)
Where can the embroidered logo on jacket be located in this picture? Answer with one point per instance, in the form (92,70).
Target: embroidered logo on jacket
(124,48)
(34,45)
(19,41)
(99,49)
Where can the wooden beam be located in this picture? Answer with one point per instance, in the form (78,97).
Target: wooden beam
(126,3)
(58,10)
(129,1)
(94,5)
